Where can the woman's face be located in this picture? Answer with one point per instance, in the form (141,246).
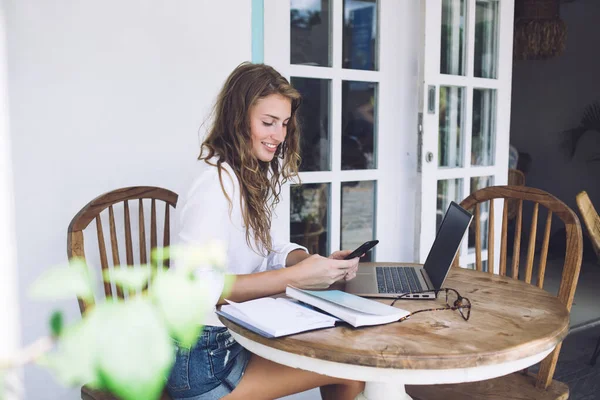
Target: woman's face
(268,125)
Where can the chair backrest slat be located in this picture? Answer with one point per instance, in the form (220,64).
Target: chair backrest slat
(93,210)
(153,229)
(544,251)
(491,242)
(142,233)
(504,240)
(517,241)
(103,258)
(114,246)
(478,263)
(532,241)
(167,233)
(573,253)
(113,237)
(128,241)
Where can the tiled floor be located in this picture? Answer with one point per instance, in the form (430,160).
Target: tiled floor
(573,367)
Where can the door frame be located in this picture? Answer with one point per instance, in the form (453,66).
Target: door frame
(430,76)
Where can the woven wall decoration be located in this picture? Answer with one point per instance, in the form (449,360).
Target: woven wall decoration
(539,31)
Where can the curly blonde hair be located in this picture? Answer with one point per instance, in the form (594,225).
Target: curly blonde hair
(229,140)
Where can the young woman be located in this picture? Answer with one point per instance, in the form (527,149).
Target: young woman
(250,151)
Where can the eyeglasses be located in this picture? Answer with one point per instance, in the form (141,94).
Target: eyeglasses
(454,301)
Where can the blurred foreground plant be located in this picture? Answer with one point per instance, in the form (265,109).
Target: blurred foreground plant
(126,346)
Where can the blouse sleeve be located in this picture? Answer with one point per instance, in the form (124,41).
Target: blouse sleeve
(202,219)
(277,258)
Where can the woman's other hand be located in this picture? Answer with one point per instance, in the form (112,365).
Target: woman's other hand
(318,272)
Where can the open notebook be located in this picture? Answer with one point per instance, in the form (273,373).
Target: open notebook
(271,317)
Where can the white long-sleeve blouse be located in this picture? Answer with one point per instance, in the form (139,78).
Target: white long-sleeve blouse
(204,214)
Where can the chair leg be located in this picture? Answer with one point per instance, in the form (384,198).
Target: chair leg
(596,352)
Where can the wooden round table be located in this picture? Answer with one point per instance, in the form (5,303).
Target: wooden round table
(512,326)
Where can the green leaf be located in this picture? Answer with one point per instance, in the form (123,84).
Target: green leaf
(56,323)
(136,352)
(129,278)
(228,286)
(160,254)
(122,347)
(183,304)
(74,360)
(64,282)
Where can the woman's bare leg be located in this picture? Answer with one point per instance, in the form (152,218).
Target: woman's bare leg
(264,379)
(342,391)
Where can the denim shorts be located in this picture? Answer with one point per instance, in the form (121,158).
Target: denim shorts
(209,370)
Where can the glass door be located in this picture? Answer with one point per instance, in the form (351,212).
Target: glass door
(464,123)
(331,52)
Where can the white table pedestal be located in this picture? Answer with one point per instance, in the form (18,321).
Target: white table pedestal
(384,390)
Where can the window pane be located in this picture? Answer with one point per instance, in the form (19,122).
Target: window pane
(314,122)
(359,113)
(358,215)
(452,57)
(360,34)
(310,36)
(447,191)
(480,182)
(309,217)
(450,129)
(486,39)
(484,127)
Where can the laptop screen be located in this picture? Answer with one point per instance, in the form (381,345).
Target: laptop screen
(446,243)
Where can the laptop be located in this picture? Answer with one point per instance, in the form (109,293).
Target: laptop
(392,281)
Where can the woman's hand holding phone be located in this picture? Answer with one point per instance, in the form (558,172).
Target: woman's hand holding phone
(349,255)
(317,272)
(362,249)
(343,255)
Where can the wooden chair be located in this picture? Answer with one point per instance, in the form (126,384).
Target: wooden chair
(592,223)
(590,219)
(92,211)
(519,385)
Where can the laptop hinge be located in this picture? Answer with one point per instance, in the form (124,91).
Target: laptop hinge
(426,279)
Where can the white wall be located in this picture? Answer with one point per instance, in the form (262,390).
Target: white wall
(9,312)
(111,93)
(105,94)
(549,97)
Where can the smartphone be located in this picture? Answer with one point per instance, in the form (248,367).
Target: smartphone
(362,249)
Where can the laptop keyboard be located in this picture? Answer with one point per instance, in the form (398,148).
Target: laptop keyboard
(397,280)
